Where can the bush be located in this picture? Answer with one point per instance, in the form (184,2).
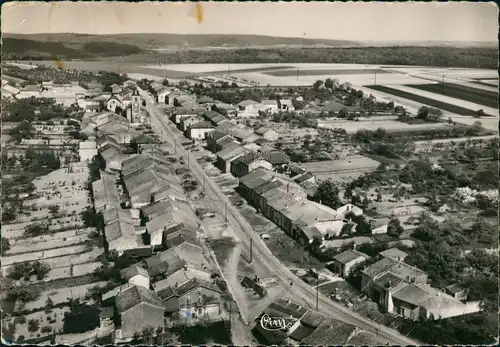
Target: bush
(81,318)
(46,329)
(20,339)
(33,325)
(20,320)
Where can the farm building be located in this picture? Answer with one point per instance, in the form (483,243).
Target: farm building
(227,155)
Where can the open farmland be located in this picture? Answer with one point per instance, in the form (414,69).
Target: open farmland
(320,72)
(452,101)
(424,100)
(478,96)
(387,125)
(341,170)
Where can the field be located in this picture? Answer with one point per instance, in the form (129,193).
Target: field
(482,97)
(340,170)
(424,100)
(388,125)
(325,72)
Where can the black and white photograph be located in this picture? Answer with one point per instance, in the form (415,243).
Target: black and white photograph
(249,173)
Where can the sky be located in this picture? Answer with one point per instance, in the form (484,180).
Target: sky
(349,21)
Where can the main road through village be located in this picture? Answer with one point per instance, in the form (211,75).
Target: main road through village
(263,259)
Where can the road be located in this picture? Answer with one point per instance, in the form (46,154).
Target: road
(263,259)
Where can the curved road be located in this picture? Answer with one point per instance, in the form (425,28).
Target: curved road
(263,257)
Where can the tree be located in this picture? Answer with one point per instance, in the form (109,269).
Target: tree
(49,303)
(147,335)
(328,194)
(54,209)
(343,113)
(317,84)
(5,245)
(33,325)
(22,293)
(476,128)
(423,113)
(394,228)
(81,318)
(329,83)
(479,113)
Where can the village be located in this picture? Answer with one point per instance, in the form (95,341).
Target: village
(104,222)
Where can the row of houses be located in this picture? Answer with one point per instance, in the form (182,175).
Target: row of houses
(285,203)
(147,216)
(402,289)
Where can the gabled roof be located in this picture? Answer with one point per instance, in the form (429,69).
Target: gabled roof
(202,125)
(231,151)
(115,214)
(276,157)
(262,130)
(248,158)
(133,271)
(137,295)
(214,117)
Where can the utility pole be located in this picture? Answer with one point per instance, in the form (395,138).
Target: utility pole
(375,78)
(317,293)
(203,184)
(225,211)
(297,74)
(251,250)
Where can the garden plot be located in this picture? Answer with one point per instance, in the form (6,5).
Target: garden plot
(42,255)
(358,240)
(56,316)
(490,123)
(474,95)
(16,231)
(341,169)
(449,100)
(27,246)
(76,259)
(373,124)
(62,177)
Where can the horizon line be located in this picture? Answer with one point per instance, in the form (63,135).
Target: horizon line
(288,37)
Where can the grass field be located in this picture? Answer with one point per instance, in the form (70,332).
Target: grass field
(326,72)
(478,96)
(426,101)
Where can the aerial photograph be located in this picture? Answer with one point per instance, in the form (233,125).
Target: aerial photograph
(261,173)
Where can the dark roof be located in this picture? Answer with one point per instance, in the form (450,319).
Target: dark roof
(386,279)
(215,135)
(276,157)
(132,271)
(106,312)
(214,117)
(301,332)
(194,283)
(456,288)
(247,158)
(134,296)
(202,125)
(304,177)
(167,293)
(267,186)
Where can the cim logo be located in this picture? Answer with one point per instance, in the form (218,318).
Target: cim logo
(273,324)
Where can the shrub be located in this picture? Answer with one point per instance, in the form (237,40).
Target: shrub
(20,320)
(46,329)
(33,325)
(21,338)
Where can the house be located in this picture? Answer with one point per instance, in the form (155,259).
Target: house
(186,122)
(305,177)
(227,155)
(458,291)
(247,108)
(278,159)
(248,163)
(113,102)
(394,253)
(87,150)
(182,113)
(268,134)
(214,117)
(271,106)
(105,193)
(350,208)
(242,133)
(344,262)
(204,100)
(194,298)
(163,95)
(121,236)
(199,131)
(286,105)
(226,110)
(136,275)
(137,308)
(168,220)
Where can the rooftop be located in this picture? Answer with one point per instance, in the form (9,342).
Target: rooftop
(349,255)
(276,157)
(136,295)
(231,151)
(202,125)
(394,253)
(133,271)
